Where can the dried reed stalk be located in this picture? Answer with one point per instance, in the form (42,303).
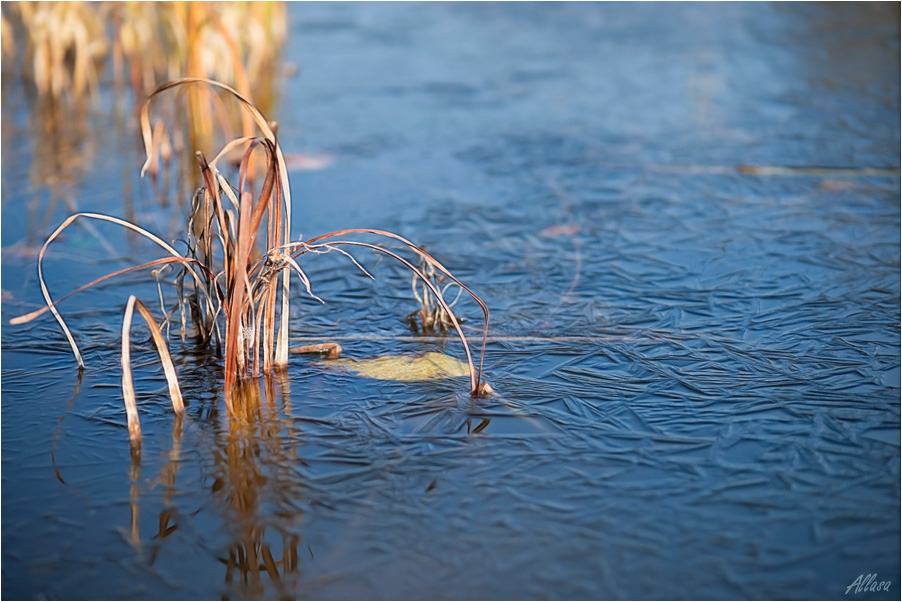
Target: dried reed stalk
(128,388)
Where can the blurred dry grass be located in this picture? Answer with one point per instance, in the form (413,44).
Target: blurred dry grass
(64,44)
(63,51)
(67,44)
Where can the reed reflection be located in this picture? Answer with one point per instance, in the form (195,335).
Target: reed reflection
(63,152)
(484,423)
(253,489)
(254,461)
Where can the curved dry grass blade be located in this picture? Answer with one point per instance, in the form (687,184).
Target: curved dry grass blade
(303,276)
(426,257)
(266,192)
(213,190)
(24,319)
(243,166)
(149,143)
(229,147)
(175,393)
(250,219)
(128,387)
(475,384)
(105,218)
(289,259)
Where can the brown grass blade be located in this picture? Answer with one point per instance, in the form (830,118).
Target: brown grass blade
(149,142)
(24,319)
(213,191)
(263,199)
(475,383)
(303,247)
(175,393)
(128,387)
(105,218)
(238,286)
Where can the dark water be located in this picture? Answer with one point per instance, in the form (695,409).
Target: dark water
(686,222)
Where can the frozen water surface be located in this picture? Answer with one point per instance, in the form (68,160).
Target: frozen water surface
(685,220)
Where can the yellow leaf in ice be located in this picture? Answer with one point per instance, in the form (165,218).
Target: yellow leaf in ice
(431,366)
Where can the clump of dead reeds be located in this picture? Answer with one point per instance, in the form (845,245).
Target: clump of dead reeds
(233,283)
(432,315)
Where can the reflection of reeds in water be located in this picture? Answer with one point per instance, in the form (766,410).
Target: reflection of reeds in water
(63,153)
(254,442)
(248,460)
